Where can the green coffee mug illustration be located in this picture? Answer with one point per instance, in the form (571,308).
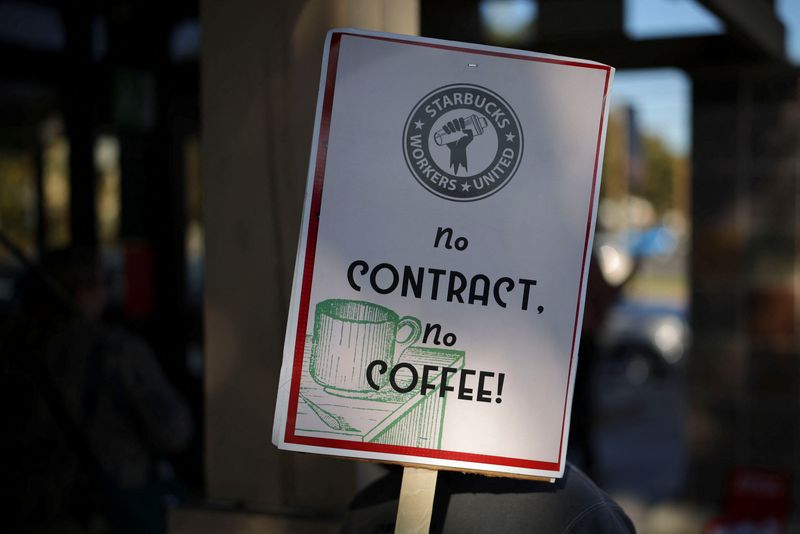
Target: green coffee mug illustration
(348,335)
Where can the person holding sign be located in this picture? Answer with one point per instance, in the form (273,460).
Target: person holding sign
(474,503)
(441,272)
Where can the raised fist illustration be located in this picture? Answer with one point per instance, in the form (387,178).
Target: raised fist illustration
(458,147)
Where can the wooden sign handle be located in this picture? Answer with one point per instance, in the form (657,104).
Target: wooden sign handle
(416,501)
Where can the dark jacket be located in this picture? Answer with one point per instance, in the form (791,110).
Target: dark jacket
(466,503)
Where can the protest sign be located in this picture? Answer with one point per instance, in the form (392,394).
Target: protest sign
(438,292)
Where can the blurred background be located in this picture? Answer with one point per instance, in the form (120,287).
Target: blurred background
(172,138)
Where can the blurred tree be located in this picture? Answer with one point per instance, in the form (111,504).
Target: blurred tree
(659,173)
(664,180)
(615,163)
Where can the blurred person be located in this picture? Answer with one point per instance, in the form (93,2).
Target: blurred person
(473,503)
(466,502)
(97,396)
(600,299)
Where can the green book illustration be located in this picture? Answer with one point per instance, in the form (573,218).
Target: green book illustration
(336,398)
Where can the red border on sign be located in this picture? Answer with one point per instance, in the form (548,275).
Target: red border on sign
(308,270)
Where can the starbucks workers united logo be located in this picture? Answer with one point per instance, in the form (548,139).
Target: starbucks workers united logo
(462,142)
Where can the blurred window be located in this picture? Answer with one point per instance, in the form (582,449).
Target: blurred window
(99,38)
(55,170)
(508,22)
(661,99)
(639,445)
(644,208)
(18,201)
(194,219)
(184,43)
(648,19)
(106,161)
(789,12)
(31,24)
(195,253)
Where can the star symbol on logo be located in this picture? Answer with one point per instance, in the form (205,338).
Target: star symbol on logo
(465,186)
(419,124)
(510,137)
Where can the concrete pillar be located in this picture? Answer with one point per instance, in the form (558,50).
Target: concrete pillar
(260,75)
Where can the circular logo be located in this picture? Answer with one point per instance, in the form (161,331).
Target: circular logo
(462,142)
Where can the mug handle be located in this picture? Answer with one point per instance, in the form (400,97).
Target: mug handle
(413,336)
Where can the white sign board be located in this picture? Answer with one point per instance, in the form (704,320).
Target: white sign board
(438,291)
